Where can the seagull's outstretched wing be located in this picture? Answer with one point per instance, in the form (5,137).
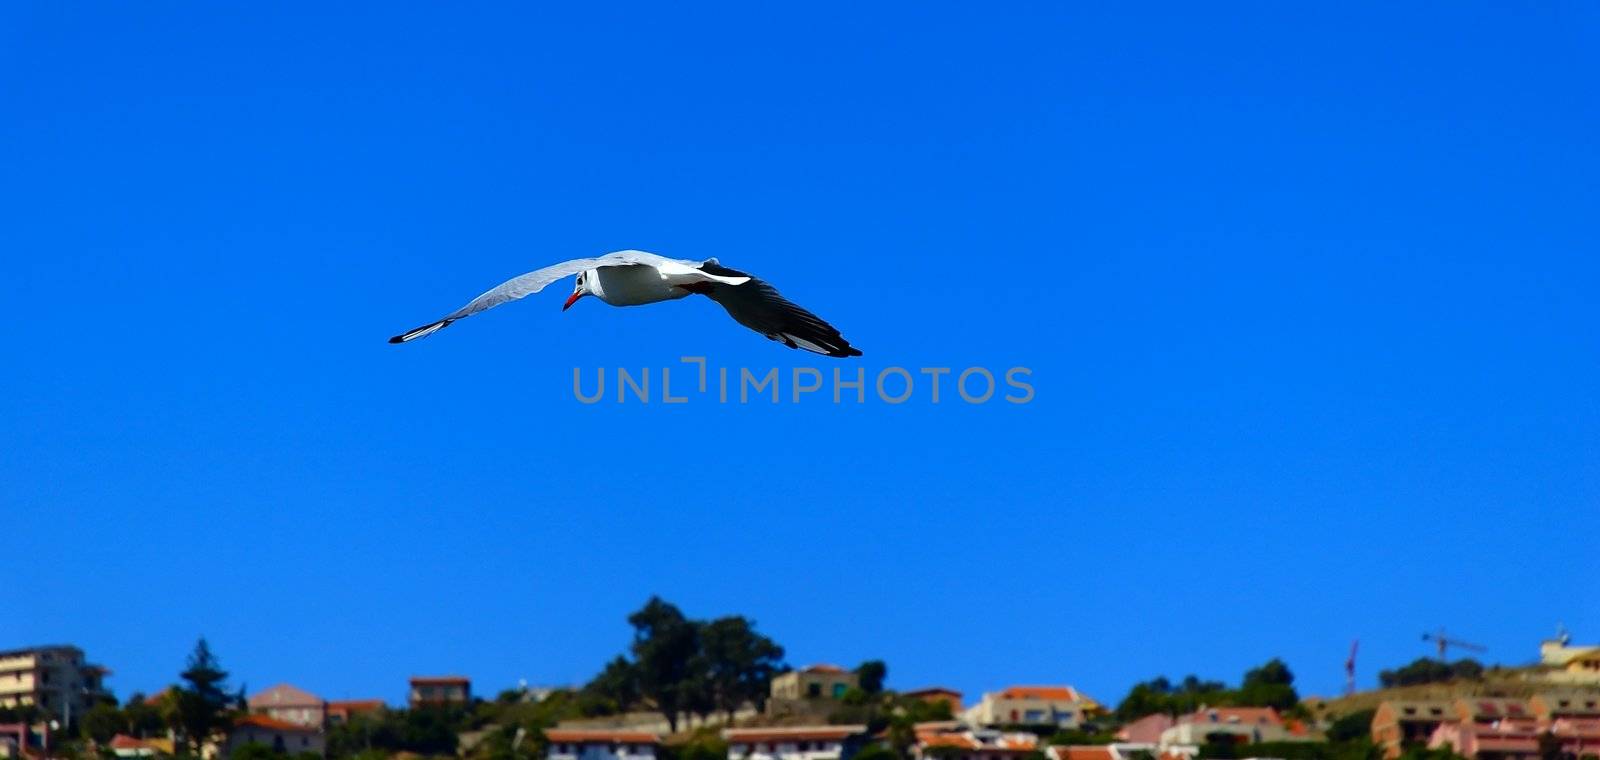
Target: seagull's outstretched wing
(535,281)
(758,306)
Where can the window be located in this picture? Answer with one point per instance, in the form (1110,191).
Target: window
(814,690)
(838,690)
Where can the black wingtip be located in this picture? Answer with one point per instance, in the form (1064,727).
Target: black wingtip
(398,339)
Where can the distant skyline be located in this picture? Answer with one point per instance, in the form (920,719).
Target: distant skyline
(1307,293)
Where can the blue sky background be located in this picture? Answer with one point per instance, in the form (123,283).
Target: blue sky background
(1308,295)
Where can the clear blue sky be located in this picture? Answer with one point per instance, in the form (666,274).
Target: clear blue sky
(1309,295)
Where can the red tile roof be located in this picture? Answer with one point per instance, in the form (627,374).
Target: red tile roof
(1094,752)
(1061,693)
(356,705)
(1251,716)
(123,741)
(599,736)
(262,721)
(822,668)
(440,679)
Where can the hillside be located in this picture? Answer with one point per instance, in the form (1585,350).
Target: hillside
(1520,682)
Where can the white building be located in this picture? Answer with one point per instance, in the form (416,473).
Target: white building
(55,678)
(599,744)
(798,743)
(1057,706)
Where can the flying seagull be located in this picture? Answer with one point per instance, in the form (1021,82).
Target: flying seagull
(634,278)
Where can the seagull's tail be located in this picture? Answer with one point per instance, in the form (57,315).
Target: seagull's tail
(421,332)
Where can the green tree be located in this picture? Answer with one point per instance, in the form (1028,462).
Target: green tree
(101,723)
(1271,685)
(739,663)
(203,705)
(665,646)
(618,684)
(1356,725)
(871,674)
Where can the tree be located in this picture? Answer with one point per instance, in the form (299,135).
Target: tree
(101,723)
(1425,670)
(1271,685)
(203,704)
(618,684)
(739,663)
(1356,725)
(870,675)
(665,644)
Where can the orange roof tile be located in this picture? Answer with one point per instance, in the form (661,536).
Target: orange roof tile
(262,721)
(1063,693)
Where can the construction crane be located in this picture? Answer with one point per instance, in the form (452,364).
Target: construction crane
(1350,668)
(1444,642)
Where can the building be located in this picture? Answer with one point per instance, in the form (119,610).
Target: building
(1242,725)
(576,744)
(440,690)
(797,743)
(813,682)
(953,740)
(290,704)
(1570,664)
(936,694)
(1398,724)
(280,735)
(341,711)
(1569,703)
(1146,730)
(1054,706)
(123,745)
(56,678)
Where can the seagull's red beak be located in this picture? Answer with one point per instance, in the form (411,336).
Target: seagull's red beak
(572,299)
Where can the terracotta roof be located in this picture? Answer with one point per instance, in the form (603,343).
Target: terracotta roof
(284,695)
(584,736)
(357,705)
(440,679)
(1060,693)
(1248,716)
(124,741)
(262,721)
(1080,752)
(796,733)
(822,668)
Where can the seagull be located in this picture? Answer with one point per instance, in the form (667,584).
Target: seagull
(635,278)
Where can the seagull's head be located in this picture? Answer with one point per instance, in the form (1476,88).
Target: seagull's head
(580,288)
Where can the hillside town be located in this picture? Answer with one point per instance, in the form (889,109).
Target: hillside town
(54,704)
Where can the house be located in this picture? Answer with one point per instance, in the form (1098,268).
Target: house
(1146,730)
(952,740)
(440,690)
(1567,663)
(1054,706)
(1241,725)
(796,743)
(1397,724)
(123,745)
(341,711)
(280,735)
(290,704)
(57,678)
(813,682)
(582,744)
(936,694)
